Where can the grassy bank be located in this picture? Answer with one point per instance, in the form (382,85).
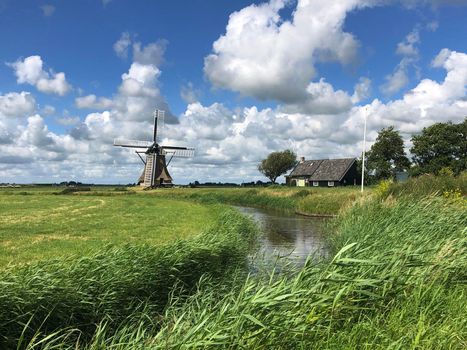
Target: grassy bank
(397,280)
(115,285)
(39,225)
(325,201)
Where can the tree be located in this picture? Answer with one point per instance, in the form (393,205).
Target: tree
(277,163)
(441,145)
(387,155)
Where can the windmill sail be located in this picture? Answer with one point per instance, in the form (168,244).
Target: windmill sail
(178,152)
(132,143)
(159,125)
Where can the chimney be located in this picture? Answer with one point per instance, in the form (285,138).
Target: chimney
(302,159)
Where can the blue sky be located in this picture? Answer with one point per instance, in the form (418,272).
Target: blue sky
(78,37)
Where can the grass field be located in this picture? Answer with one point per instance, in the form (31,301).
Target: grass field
(396,278)
(37,225)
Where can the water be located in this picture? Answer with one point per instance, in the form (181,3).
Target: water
(289,237)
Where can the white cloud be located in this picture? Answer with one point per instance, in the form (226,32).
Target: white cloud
(48,10)
(30,71)
(121,45)
(410,55)
(408,46)
(16,105)
(362,90)
(93,102)
(321,98)
(324,122)
(68,121)
(278,53)
(395,81)
(189,94)
(138,94)
(151,54)
(48,110)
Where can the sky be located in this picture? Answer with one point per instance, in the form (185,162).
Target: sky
(237,79)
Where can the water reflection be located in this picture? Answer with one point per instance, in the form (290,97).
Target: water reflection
(292,237)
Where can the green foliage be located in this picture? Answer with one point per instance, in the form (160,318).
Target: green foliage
(396,280)
(428,185)
(383,188)
(327,201)
(277,163)
(446,172)
(438,146)
(69,190)
(387,155)
(117,284)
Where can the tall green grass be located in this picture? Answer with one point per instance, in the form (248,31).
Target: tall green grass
(116,285)
(425,185)
(320,201)
(397,280)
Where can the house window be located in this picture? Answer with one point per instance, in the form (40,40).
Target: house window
(330,183)
(315,183)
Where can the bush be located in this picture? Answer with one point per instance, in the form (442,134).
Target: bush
(70,190)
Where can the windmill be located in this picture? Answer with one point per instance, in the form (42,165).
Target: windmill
(155,172)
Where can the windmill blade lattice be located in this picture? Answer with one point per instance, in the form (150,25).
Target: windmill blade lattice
(160,117)
(132,143)
(179,153)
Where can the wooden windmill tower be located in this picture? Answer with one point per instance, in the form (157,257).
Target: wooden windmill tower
(155,172)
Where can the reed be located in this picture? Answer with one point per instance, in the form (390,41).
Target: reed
(397,280)
(116,285)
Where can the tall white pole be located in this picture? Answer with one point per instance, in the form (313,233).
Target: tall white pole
(364,146)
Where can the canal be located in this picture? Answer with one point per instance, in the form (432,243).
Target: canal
(287,237)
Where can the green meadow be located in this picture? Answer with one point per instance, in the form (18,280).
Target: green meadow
(37,225)
(395,278)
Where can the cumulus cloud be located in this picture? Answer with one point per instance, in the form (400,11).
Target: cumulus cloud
(362,90)
(280,54)
(396,81)
(138,94)
(189,94)
(15,104)
(408,46)
(151,54)
(121,45)
(30,71)
(48,110)
(68,121)
(233,141)
(93,102)
(313,117)
(322,99)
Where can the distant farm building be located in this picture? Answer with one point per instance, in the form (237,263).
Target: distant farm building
(324,173)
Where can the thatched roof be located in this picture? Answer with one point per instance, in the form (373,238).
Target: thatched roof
(306,168)
(323,169)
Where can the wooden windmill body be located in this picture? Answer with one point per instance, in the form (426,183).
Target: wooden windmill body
(155,173)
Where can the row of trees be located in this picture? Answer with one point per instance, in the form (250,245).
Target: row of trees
(439,146)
